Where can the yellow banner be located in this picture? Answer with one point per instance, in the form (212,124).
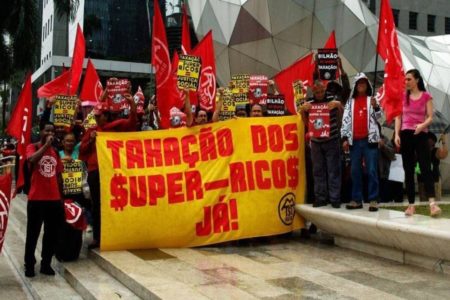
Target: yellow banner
(201,185)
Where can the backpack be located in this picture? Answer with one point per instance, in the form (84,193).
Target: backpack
(27,172)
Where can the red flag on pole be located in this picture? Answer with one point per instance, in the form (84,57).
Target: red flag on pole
(58,86)
(92,87)
(185,34)
(303,70)
(76,68)
(161,63)
(5,200)
(19,126)
(391,95)
(207,82)
(331,42)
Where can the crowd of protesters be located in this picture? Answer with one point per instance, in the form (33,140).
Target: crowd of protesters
(356,140)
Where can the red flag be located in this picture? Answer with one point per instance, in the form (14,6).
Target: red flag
(92,87)
(185,34)
(331,42)
(5,200)
(58,86)
(207,82)
(161,63)
(19,125)
(300,70)
(76,68)
(388,48)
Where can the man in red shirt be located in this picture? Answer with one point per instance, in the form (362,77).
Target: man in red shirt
(44,200)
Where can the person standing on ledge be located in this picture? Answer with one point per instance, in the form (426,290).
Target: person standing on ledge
(411,129)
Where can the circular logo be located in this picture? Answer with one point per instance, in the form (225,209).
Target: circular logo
(162,62)
(327,75)
(207,89)
(286,209)
(47,166)
(318,123)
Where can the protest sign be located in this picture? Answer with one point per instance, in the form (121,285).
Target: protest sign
(240,88)
(188,72)
(72,177)
(299,92)
(258,89)
(228,106)
(116,88)
(319,121)
(275,105)
(327,63)
(64,110)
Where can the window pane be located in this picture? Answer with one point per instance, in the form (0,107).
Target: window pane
(413,20)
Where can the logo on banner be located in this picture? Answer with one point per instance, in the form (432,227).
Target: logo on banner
(207,87)
(162,66)
(286,209)
(98,90)
(4,208)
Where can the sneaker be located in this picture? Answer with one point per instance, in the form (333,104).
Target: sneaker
(354,205)
(29,271)
(435,210)
(373,206)
(411,210)
(47,270)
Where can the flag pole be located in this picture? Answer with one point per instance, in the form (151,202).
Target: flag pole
(376,54)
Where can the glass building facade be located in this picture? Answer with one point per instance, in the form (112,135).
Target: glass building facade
(119,29)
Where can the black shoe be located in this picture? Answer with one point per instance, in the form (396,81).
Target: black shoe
(354,205)
(319,204)
(336,204)
(312,229)
(29,271)
(304,233)
(47,270)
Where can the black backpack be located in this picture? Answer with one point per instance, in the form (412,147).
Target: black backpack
(27,172)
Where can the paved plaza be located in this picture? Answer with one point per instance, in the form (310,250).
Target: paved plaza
(283,267)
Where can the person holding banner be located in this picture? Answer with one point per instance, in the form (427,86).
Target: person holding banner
(325,151)
(360,133)
(44,200)
(88,154)
(411,129)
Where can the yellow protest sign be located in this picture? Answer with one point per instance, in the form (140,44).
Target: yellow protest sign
(72,177)
(90,121)
(201,185)
(240,85)
(299,93)
(188,72)
(228,107)
(64,110)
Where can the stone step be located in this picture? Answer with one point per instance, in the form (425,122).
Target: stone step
(11,286)
(84,275)
(41,286)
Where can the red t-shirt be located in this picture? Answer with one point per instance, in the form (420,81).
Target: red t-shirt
(360,125)
(44,176)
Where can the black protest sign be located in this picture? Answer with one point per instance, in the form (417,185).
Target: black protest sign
(275,105)
(327,63)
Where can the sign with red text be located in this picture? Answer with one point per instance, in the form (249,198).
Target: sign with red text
(257,90)
(64,110)
(202,185)
(275,105)
(116,88)
(319,121)
(327,63)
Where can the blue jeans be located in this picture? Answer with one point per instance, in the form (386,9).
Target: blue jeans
(358,151)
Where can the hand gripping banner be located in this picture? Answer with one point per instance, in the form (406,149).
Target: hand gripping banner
(202,185)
